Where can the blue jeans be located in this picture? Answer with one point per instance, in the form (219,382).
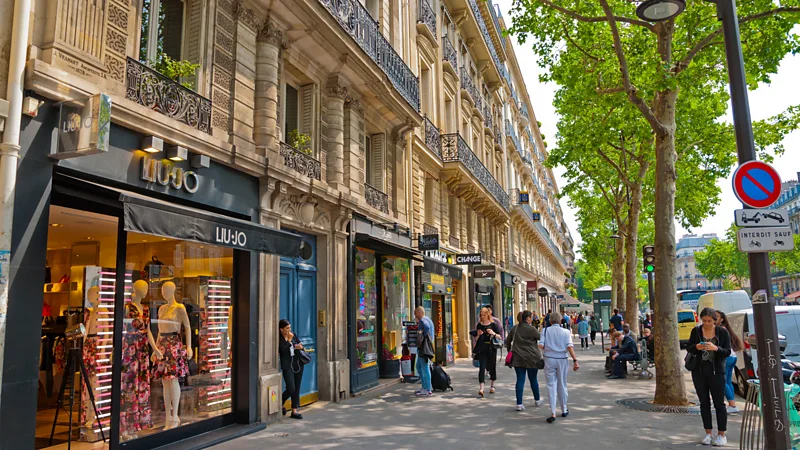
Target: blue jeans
(532,373)
(730,363)
(424,371)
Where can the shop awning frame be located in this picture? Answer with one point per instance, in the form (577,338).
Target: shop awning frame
(455,272)
(385,247)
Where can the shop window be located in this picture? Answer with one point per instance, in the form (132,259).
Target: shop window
(396,305)
(176,363)
(170,38)
(366,310)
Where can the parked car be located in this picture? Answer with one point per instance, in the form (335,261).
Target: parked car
(725,301)
(788,318)
(687,319)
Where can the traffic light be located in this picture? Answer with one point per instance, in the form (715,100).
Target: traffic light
(649,258)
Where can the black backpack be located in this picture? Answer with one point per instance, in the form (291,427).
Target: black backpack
(440,380)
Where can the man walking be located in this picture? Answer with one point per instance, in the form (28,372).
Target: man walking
(616,320)
(424,329)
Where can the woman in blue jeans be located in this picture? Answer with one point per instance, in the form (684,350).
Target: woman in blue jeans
(522,341)
(730,362)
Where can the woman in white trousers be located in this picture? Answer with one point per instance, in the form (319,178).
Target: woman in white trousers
(557,347)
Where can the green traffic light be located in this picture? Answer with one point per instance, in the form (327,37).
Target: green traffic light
(649,268)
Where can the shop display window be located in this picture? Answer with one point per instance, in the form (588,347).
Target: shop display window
(396,306)
(366,310)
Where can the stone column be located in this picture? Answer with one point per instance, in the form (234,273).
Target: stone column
(269,43)
(336,94)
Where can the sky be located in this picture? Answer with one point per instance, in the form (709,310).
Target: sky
(766,101)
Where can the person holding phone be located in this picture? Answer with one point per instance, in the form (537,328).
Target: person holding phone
(711,345)
(288,348)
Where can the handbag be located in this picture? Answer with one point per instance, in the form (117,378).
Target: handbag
(304,357)
(426,349)
(690,361)
(497,342)
(509,358)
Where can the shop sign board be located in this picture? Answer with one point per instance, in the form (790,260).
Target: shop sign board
(543,292)
(766,239)
(165,173)
(84,127)
(537,216)
(524,198)
(411,335)
(484,272)
(468,258)
(761,217)
(437,279)
(429,242)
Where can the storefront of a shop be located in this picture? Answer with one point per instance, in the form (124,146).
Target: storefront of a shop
(133,287)
(438,284)
(380,297)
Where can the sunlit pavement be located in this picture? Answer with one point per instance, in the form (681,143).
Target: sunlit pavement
(395,418)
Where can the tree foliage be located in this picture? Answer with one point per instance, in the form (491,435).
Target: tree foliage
(722,260)
(788,262)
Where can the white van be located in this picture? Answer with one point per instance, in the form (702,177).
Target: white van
(788,318)
(725,301)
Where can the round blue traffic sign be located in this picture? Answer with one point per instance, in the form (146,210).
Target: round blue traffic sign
(756,184)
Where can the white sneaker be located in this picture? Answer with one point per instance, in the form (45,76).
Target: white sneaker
(720,441)
(539,402)
(733,410)
(520,407)
(707,440)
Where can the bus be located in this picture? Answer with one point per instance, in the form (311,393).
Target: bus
(688,299)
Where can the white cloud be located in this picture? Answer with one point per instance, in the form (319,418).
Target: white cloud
(764,102)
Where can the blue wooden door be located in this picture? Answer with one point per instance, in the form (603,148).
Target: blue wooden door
(298,304)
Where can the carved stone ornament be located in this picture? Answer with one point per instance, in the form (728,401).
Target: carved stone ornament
(271,34)
(247,17)
(355,105)
(335,90)
(305,210)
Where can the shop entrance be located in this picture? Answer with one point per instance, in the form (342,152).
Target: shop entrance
(298,291)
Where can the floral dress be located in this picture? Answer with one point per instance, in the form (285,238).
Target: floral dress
(174,363)
(135,392)
(203,335)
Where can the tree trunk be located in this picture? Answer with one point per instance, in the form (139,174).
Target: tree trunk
(670,385)
(631,275)
(619,271)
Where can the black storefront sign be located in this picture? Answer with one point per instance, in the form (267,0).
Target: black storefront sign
(428,242)
(440,268)
(484,271)
(543,292)
(411,334)
(468,258)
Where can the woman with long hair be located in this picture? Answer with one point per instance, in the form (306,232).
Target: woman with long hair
(484,350)
(289,347)
(730,362)
(526,356)
(711,345)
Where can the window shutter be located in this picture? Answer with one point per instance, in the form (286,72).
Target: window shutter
(291,112)
(172,25)
(378,160)
(192,48)
(306,114)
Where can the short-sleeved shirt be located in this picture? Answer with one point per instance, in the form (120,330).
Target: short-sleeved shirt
(426,327)
(616,320)
(556,340)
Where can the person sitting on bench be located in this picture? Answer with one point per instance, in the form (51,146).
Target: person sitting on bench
(647,337)
(614,337)
(628,351)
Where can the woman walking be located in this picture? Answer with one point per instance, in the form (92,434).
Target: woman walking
(526,356)
(289,347)
(730,362)
(594,326)
(711,345)
(557,345)
(484,350)
(583,333)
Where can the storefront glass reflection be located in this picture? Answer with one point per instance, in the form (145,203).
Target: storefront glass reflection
(396,305)
(366,309)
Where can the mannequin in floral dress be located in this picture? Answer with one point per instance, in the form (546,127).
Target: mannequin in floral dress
(136,341)
(90,316)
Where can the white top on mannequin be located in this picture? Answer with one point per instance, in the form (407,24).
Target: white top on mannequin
(172,315)
(93,295)
(140,288)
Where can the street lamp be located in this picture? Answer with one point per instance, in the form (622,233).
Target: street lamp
(660,10)
(615,236)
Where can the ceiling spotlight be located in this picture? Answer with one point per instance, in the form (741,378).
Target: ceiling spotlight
(177,153)
(200,161)
(660,10)
(153,144)
(56,225)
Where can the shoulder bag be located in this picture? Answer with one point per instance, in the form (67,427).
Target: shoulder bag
(690,361)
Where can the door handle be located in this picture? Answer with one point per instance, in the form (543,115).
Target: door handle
(310,350)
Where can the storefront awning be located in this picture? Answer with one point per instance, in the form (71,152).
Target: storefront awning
(385,247)
(150,216)
(792,296)
(441,268)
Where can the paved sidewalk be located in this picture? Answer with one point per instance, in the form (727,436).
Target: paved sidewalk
(395,418)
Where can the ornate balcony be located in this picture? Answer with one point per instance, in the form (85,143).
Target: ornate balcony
(513,136)
(488,122)
(429,229)
(356,21)
(454,148)
(427,17)
(469,87)
(433,137)
(376,199)
(153,90)
(301,162)
(449,54)
(473,4)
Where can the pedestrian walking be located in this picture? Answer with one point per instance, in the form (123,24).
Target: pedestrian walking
(594,326)
(710,346)
(583,333)
(526,357)
(289,348)
(424,351)
(546,320)
(496,321)
(730,362)
(617,320)
(557,346)
(484,350)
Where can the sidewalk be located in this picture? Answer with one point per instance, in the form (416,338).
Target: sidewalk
(395,418)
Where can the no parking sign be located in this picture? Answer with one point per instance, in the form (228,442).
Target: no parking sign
(756,184)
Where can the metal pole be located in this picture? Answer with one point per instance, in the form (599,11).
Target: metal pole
(651,290)
(773,405)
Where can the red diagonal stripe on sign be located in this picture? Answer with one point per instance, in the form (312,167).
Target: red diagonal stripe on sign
(758,185)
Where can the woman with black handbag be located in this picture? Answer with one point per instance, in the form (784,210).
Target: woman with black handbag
(487,339)
(293,359)
(709,346)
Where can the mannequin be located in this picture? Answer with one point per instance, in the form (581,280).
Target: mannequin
(136,342)
(171,361)
(90,315)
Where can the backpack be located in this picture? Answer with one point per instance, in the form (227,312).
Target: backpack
(440,380)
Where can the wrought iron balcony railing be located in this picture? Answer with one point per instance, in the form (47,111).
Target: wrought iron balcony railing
(376,198)
(155,91)
(469,87)
(449,54)
(488,122)
(473,4)
(454,148)
(433,137)
(495,10)
(356,21)
(510,133)
(301,162)
(427,15)
(429,229)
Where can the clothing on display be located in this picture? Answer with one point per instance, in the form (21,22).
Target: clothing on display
(173,364)
(90,354)
(135,411)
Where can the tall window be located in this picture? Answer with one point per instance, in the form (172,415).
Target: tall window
(375,161)
(291,111)
(171,31)
(299,105)
(426,92)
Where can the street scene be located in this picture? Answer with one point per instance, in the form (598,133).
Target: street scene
(247,224)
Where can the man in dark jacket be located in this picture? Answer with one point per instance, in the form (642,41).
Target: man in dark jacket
(628,351)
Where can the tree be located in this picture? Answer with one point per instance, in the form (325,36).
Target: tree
(722,260)
(600,49)
(788,262)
